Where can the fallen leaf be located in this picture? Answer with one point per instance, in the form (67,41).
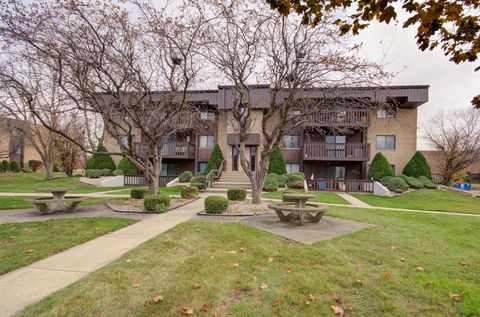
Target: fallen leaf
(419,269)
(243,249)
(392,247)
(127,260)
(348,308)
(155,299)
(212,257)
(205,307)
(232,252)
(387,275)
(455,297)
(402,259)
(337,310)
(458,280)
(337,298)
(263,286)
(29,251)
(359,283)
(462,263)
(428,283)
(307,302)
(289,270)
(236,264)
(270,259)
(311,297)
(186,311)
(196,286)
(277,302)
(136,285)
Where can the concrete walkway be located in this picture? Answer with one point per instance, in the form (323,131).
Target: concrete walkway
(104,194)
(353,200)
(32,283)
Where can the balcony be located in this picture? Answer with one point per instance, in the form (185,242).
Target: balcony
(176,149)
(340,118)
(336,152)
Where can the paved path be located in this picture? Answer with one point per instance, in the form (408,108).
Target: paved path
(353,200)
(32,283)
(104,194)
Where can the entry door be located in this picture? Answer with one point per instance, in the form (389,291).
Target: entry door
(253,158)
(235,155)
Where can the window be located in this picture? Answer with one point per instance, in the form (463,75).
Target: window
(335,172)
(386,114)
(341,139)
(292,168)
(169,169)
(206,141)
(202,166)
(291,141)
(207,115)
(386,142)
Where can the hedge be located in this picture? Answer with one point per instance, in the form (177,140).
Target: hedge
(414,182)
(417,166)
(15,167)
(34,164)
(117,172)
(185,177)
(106,172)
(380,167)
(236,194)
(152,202)
(215,159)
(296,180)
(93,173)
(427,182)
(101,161)
(5,166)
(397,185)
(198,181)
(138,193)
(215,204)
(276,164)
(282,180)
(128,167)
(270,184)
(189,192)
(385,179)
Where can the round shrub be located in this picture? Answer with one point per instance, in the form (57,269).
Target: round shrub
(150,203)
(298,174)
(402,176)
(414,182)
(139,193)
(189,192)
(117,172)
(5,166)
(185,177)
(127,167)
(427,183)
(198,181)
(275,175)
(424,178)
(270,185)
(380,167)
(236,194)
(15,167)
(385,179)
(34,164)
(397,185)
(295,180)
(216,204)
(106,172)
(92,173)
(282,180)
(27,170)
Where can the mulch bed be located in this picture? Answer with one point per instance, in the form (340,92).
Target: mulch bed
(243,208)
(136,205)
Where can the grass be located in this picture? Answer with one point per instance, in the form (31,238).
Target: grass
(351,267)
(322,197)
(175,191)
(433,199)
(27,242)
(9,202)
(28,182)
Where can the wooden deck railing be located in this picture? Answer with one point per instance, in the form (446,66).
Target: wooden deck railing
(335,151)
(176,149)
(139,180)
(340,117)
(346,185)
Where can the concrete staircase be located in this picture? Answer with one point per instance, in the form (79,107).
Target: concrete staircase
(231,180)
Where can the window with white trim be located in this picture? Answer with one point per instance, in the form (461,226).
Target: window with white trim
(206,141)
(292,168)
(386,142)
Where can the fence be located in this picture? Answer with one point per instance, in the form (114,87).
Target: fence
(347,185)
(139,180)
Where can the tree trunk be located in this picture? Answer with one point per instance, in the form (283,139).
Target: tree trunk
(48,168)
(259,180)
(153,170)
(153,183)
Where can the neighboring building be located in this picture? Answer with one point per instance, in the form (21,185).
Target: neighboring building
(325,155)
(14,146)
(434,160)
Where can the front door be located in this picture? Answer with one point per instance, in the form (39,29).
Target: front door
(235,154)
(253,158)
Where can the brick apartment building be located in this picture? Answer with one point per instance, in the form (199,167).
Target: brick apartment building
(330,154)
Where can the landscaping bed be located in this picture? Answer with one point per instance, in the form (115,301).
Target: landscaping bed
(136,205)
(243,208)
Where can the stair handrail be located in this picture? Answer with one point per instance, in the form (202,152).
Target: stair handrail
(214,175)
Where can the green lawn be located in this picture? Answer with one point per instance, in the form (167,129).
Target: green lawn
(8,202)
(322,197)
(27,242)
(176,190)
(433,199)
(28,182)
(375,271)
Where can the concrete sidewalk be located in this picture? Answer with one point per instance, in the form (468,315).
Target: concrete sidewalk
(353,200)
(32,283)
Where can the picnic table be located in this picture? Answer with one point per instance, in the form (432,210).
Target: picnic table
(58,202)
(299,209)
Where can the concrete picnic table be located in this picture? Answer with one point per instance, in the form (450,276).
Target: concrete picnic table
(299,209)
(299,199)
(58,202)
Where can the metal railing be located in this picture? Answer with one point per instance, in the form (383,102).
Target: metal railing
(214,175)
(336,151)
(139,180)
(345,185)
(340,117)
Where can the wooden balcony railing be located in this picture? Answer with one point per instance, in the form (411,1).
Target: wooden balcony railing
(340,118)
(336,152)
(344,185)
(176,149)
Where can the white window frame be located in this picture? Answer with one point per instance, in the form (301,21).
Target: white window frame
(205,144)
(299,138)
(384,147)
(290,168)
(386,114)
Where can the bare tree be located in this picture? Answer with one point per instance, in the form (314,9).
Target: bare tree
(255,45)
(456,136)
(132,72)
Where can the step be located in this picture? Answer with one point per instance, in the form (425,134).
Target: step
(223,190)
(231,185)
(234,179)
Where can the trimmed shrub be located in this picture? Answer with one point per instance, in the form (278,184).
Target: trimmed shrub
(185,177)
(215,159)
(288,200)
(417,166)
(274,175)
(15,167)
(282,180)
(34,164)
(397,185)
(127,167)
(296,180)
(414,182)
(27,170)
(106,172)
(216,204)
(150,203)
(380,167)
(117,172)
(385,179)
(402,176)
(189,192)
(298,173)
(427,182)
(5,166)
(93,173)
(270,185)
(236,194)
(198,181)
(276,164)
(101,161)
(160,208)
(138,193)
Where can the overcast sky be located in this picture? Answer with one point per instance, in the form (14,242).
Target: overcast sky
(451,85)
